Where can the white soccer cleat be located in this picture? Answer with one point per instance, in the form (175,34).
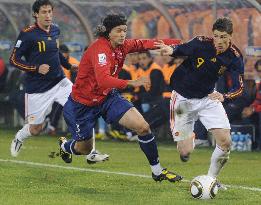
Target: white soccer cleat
(96,156)
(15,147)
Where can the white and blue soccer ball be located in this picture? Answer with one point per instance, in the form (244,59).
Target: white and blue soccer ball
(203,187)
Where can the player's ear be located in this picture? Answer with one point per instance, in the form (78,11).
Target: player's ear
(109,35)
(35,15)
(230,37)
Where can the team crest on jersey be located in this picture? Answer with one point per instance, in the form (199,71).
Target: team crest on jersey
(213,60)
(119,54)
(102,58)
(204,38)
(221,70)
(18,44)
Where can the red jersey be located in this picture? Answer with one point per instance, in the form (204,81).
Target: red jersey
(100,66)
(257,103)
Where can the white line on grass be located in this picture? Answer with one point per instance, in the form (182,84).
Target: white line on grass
(108,172)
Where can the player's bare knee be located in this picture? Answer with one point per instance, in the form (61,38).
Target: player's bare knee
(35,129)
(143,129)
(225,144)
(184,154)
(184,151)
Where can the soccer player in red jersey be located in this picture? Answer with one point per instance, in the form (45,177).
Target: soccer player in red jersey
(95,94)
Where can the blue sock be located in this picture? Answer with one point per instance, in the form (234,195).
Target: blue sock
(149,147)
(69,147)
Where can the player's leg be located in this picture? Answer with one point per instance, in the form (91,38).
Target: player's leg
(185,147)
(214,118)
(182,120)
(37,106)
(95,156)
(134,121)
(222,150)
(118,109)
(62,94)
(80,120)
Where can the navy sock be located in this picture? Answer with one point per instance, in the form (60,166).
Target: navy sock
(69,147)
(149,147)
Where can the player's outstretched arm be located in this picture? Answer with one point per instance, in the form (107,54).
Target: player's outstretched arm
(139,45)
(143,81)
(163,49)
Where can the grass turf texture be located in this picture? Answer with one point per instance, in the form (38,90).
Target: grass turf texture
(30,184)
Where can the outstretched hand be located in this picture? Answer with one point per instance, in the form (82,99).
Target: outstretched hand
(143,81)
(163,49)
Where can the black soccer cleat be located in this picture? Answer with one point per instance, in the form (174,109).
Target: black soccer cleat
(167,175)
(184,158)
(67,157)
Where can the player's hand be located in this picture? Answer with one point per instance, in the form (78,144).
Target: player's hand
(163,49)
(143,81)
(216,96)
(247,112)
(74,68)
(43,69)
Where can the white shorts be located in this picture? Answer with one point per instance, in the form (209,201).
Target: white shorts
(184,112)
(39,105)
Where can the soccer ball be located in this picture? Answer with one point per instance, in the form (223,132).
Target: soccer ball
(203,187)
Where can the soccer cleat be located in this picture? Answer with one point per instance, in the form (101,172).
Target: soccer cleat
(184,158)
(67,157)
(167,175)
(15,147)
(221,186)
(96,156)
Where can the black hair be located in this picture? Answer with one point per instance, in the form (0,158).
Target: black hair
(223,24)
(258,62)
(109,22)
(38,3)
(64,49)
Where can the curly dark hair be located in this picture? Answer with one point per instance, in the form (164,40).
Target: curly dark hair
(109,22)
(223,24)
(38,3)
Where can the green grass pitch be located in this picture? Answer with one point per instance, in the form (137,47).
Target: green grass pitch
(34,178)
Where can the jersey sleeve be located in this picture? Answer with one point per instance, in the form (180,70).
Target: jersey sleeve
(102,63)
(139,45)
(236,70)
(22,48)
(185,49)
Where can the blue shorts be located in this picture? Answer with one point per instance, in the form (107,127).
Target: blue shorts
(81,119)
